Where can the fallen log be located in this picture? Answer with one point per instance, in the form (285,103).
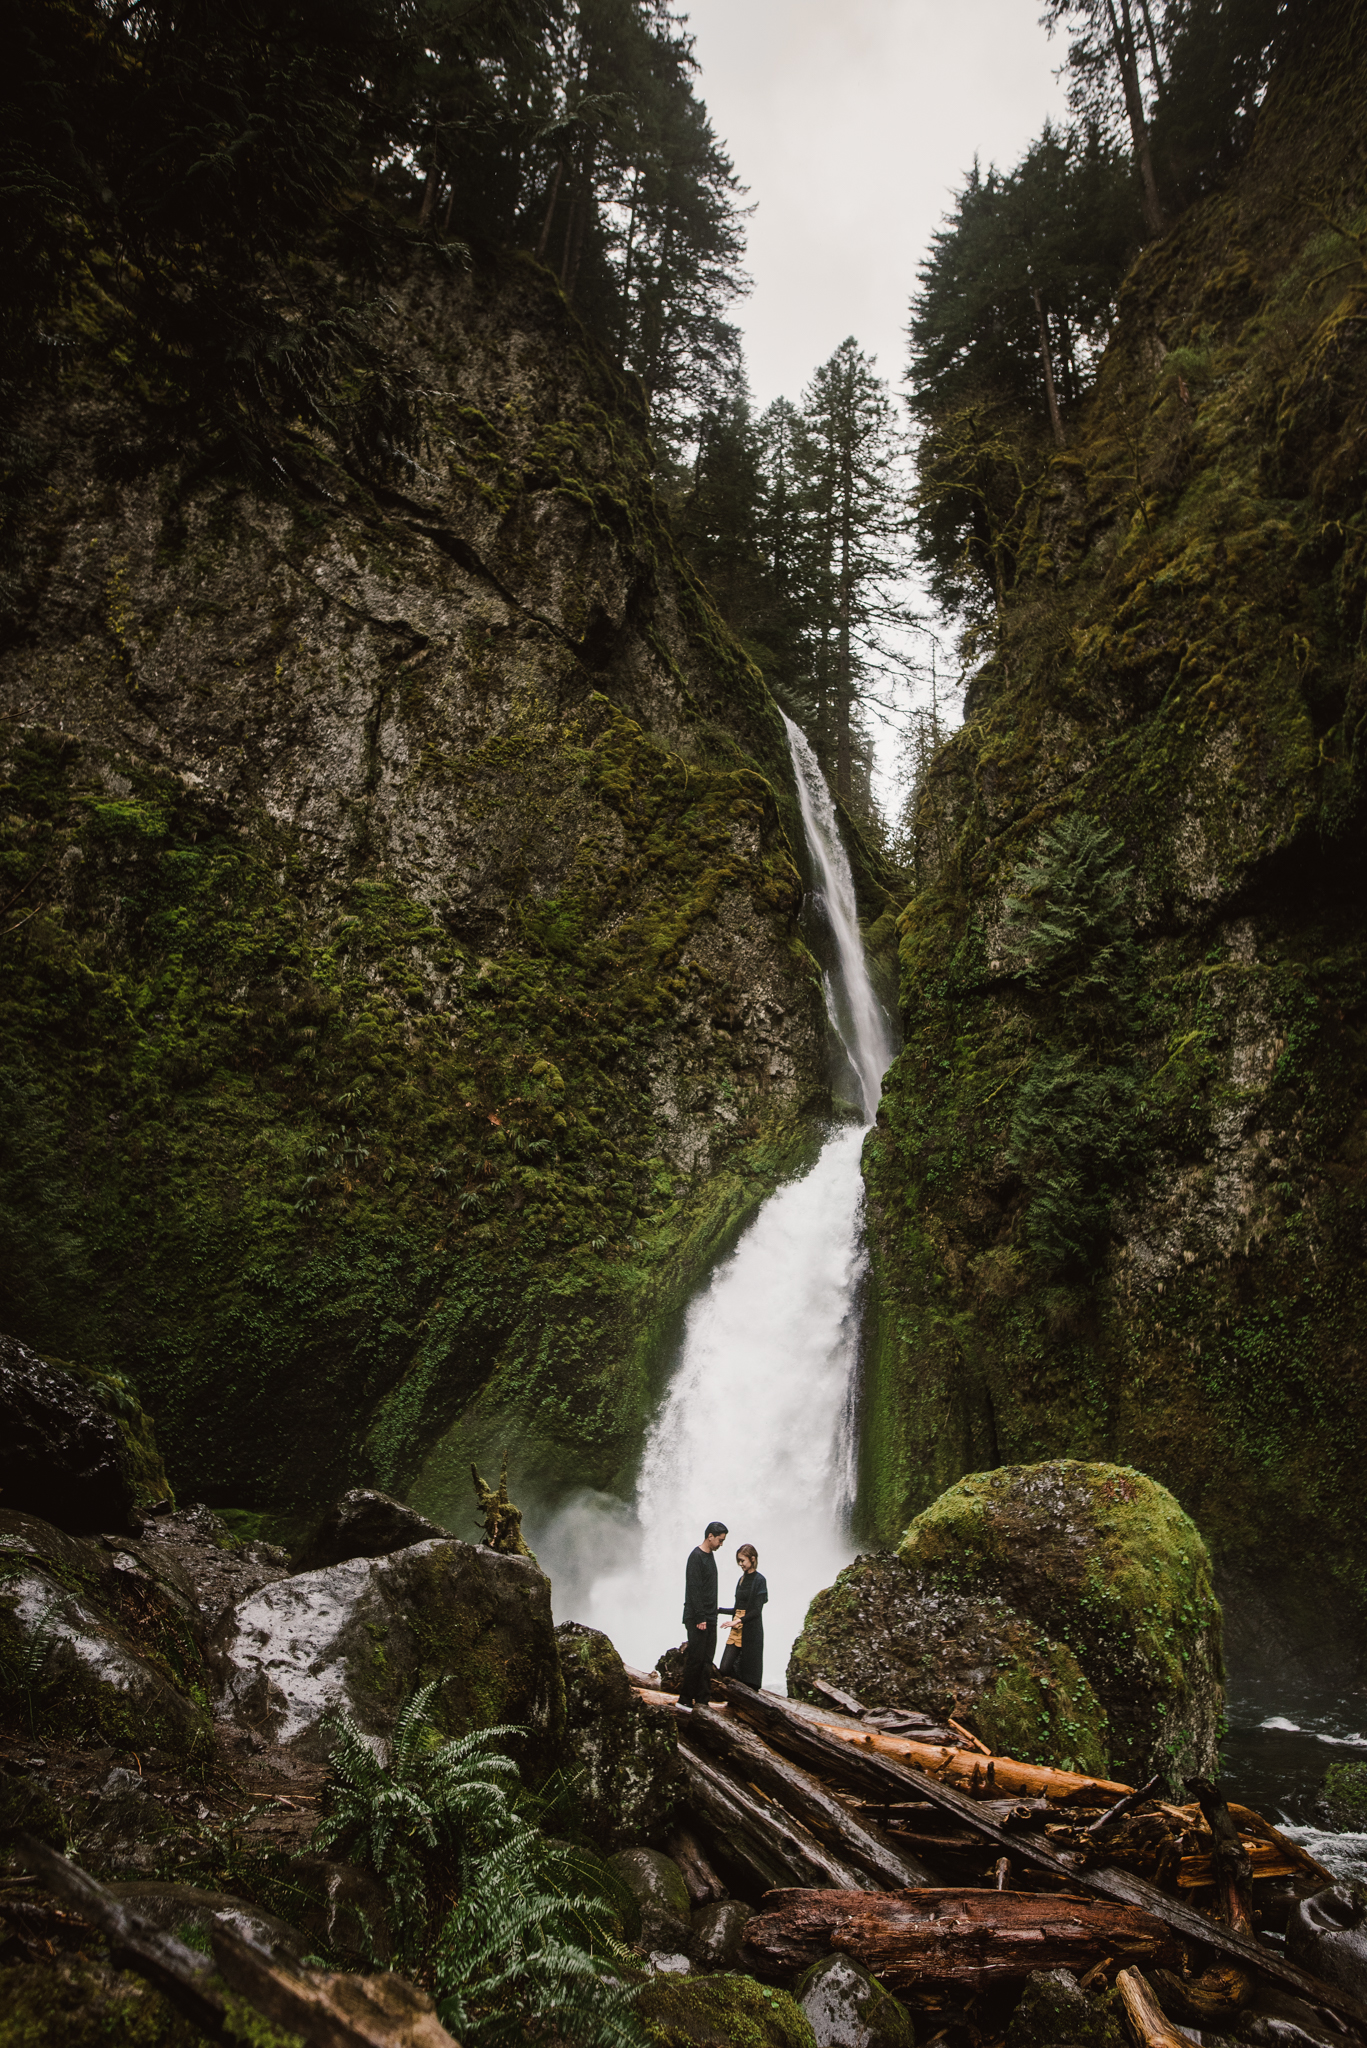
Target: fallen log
(1239,1948)
(804,1797)
(878,1772)
(949,1940)
(702,1880)
(1233,1866)
(1144,2016)
(325,2009)
(752,1831)
(329,2011)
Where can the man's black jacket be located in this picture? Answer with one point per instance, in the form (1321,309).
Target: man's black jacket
(700,1588)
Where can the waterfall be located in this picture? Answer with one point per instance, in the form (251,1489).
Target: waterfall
(757,1426)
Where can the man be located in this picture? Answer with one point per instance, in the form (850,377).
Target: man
(700,1618)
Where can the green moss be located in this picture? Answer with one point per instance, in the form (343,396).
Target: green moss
(85,2005)
(1105,1562)
(735,2011)
(1178,660)
(318,1129)
(1343,1797)
(1042,1710)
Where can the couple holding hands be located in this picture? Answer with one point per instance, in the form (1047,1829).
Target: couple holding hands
(743,1657)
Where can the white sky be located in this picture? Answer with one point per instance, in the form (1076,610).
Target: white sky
(851,121)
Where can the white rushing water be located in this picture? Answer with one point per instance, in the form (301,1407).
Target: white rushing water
(757,1426)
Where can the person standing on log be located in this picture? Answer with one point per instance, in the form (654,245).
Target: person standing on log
(743,1657)
(700,1618)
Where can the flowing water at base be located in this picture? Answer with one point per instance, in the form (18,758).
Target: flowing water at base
(757,1428)
(1282,1739)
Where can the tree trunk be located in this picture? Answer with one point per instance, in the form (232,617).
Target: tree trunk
(961,1941)
(1148,2024)
(544,243)
(1153,43)
(1233,1868)
(844,691)
(1060,438)
(430,188)
(1122,42)
(806,1798)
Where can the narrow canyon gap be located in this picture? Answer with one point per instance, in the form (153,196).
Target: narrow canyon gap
(757,1426)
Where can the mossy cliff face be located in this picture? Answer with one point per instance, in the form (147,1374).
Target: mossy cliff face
(402,989)
(1118,1188)
(1066,1609)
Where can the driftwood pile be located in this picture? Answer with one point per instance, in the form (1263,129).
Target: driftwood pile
(952,1874)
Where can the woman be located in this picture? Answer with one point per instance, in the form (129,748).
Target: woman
(743,1657)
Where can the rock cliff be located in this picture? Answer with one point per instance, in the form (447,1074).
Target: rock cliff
(1117,1189)
(403,992)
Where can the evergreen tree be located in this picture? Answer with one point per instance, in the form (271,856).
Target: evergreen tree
(849,459)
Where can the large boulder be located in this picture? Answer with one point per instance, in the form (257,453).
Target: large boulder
(75,1446)
(365,1524)
(721,2012)
(360,1636)
(626,1752)
(657,1885)
(894,1637)
(717,1932)
(94,1647)
(847,2008)
(1327,1935)
(1114,1581)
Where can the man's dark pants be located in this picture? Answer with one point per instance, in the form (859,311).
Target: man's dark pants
(697,1676)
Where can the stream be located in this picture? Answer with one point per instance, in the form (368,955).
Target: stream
(757,1425)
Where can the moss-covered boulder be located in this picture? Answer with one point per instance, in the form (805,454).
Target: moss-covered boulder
(848,2008)
(1342,1798)
(1054,2009)
(75,1446)
(626,1753)
(657,1885)
(1068,1608)
(361,1635)
(896,1637)
(722,2012)
(95,1647)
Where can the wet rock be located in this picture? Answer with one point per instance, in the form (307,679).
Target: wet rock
(1054,2009)
(75,1447)
(361,1635)
(657,1884)
(848,2008)
(94,1647)
(1276,2019)
(182,1909)
(193,1550)
(628,1752)
(719,2012)
(1327,1935)
(1114,1582)
(365,1524)
(717,1932)
(1342,1800)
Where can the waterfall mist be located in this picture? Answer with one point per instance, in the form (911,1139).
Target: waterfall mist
(756,1428)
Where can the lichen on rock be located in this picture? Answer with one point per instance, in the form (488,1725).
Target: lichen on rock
(624,1753)
(360,1636)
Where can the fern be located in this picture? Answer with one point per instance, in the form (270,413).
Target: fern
(530,1935)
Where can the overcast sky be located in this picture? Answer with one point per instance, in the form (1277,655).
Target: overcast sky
(852,121)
